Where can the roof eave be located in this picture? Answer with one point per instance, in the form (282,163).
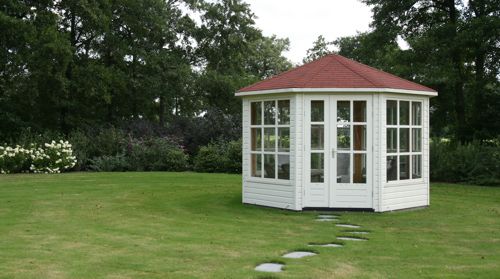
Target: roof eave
(334,90)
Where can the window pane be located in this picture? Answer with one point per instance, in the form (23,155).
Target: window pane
(359,137)
(416,166)
(416,113)
(404,140)
(343,137)
(269,166)
(392,112)
(359,172)
(343,111)
(317,111)
(317,137)
(404,167)
(256,139)
(392,168)
(256,165)
(404,113)
(343,168)
(256,113)
(392,140)
(269,113)
(359,111)
(283,139)
(284,167)
(284,112)
(317,167)
(416,139)
(269,139)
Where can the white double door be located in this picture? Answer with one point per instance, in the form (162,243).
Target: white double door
(338,151)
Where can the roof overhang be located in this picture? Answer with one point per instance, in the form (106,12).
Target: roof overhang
(336,90)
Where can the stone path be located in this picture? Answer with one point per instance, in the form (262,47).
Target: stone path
(277,267)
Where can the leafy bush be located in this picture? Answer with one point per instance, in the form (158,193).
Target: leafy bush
(219,156)
(468,163)
(155,154)
(109,163)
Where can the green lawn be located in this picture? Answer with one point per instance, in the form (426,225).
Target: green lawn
(187,225)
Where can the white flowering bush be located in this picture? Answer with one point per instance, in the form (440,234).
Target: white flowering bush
(53,157)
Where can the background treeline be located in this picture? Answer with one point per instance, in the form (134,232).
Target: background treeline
(161,74)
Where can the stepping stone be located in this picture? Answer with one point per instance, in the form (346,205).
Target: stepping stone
(327,220)
(358,232)
(327,216)
(351,238)
(269,267)
(348,226)
(327,245)
(298,255)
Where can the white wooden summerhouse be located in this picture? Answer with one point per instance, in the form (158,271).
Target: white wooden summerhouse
(335,133)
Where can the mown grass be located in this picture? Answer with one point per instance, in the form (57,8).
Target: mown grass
(188,225)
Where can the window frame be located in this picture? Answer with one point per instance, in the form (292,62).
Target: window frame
(410,153)
(262,152)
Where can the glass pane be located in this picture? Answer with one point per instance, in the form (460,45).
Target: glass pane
(416,140)
(359,137)
(269,139)
(256,139)
(284,167)
(359,111)
(256,113)
(317,137)
(317,167)
(392,168)
(392,112)
(284,112)
(269,113)
(317,111)
(343,111)
(343,168)
(416,113)
(404,167)
(392,140)
(416,166)
(359,171)
(343,137)
(404,113)
(404,140)
(269,171)
(283,139)
(256,165)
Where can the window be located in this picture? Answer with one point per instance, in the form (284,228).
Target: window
(270,139)
(404,140)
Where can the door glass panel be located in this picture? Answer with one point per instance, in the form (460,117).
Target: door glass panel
(416,113)
(256,113)
(256,165)
(343,111)
(269,166)
(284,112)
(359,111)
(317,167)
(392,112)
(392,140)
(256,139)
(416,140)
(392,168)
(404,167)
(359,137)
(343,137)
(359,171)
(284,167)
(404,113)
(317,137)
(269,139)
(343,168)
(404,140)
(269,113)
(283,139)
(317,111)
(416,166)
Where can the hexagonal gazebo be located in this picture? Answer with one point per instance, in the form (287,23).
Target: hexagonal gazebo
(335,133)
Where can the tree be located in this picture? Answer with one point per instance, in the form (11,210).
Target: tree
(319,49)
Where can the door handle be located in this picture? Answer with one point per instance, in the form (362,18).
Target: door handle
(333,152)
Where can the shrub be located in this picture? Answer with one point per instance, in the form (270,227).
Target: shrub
(109,163)
(155,154)
(15,159)
(219,156)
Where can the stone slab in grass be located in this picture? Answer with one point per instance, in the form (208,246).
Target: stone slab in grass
(327,220)
(298,254)
(351,238)
(270,267)
(348,226)
(333,245)
(358,232)
(327,216)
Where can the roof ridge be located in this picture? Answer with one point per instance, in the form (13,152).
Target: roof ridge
(352,70)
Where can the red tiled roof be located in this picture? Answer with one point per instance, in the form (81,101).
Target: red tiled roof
(335,71)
